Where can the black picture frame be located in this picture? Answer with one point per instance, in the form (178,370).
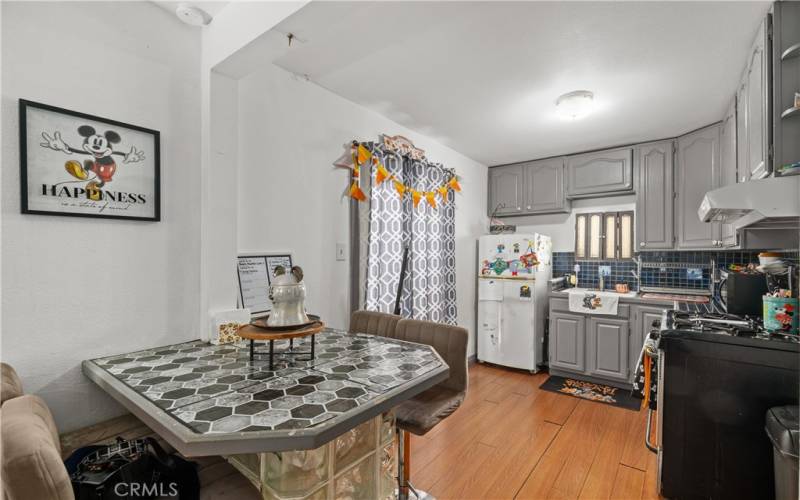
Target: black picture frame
(25,105)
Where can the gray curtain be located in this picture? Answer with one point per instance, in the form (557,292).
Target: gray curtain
(388,224)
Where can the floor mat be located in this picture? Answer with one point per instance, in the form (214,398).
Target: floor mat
(592,391)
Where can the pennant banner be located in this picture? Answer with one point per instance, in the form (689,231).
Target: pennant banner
(362,155)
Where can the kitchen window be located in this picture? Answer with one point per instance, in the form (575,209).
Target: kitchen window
(604,236)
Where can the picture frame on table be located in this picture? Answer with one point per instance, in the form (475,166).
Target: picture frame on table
(80,165)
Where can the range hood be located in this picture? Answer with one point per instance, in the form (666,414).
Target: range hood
(771,203)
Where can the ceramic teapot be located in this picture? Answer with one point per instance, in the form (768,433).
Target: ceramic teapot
(288,294)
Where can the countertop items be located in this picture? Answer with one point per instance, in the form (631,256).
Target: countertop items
(211,400)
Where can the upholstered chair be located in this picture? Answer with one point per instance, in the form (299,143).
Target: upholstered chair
(423,412)
(375,323)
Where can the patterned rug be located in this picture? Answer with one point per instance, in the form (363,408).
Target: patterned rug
(593,392)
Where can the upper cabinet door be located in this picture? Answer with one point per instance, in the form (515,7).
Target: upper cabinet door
(505,190)
(696,174)
(742,142)
(599,173)
(727,166)
(757,79)
(544,186)
(654,196)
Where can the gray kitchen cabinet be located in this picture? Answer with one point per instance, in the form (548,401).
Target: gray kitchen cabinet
(544,186)
(654,196)
(641,324)
(758,91)
(505,190)
(567,341)
(785,82)
(608,348)
(728,167)
(600,173)
(697,172)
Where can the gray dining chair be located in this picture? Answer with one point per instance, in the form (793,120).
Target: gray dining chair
(424,411)
(372,322)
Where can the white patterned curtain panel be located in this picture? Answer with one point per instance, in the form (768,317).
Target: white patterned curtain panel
(429,289)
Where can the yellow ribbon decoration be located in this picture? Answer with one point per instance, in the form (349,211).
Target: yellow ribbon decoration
(400,187)
(416,196)
(381,175)
(356,193)
(454,185)
(363,155)
(431,199)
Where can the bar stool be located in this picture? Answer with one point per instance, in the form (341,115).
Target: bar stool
(375,323)
(423,412)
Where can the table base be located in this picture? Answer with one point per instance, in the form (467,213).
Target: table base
(361,463)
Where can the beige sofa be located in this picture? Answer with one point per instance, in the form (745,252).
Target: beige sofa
(30,450)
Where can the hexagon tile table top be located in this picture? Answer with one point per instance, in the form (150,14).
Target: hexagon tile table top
(210,399)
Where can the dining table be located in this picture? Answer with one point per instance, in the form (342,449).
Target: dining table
(206,399)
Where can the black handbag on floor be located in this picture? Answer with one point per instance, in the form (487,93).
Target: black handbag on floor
(131,469)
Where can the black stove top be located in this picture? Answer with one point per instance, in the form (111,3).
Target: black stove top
(710,322)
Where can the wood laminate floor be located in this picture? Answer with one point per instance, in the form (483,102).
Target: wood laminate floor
(508,440)
(512,440)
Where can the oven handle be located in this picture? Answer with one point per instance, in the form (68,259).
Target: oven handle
(648,434)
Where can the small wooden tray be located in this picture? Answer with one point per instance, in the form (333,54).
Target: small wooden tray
(252,332)
(262,323)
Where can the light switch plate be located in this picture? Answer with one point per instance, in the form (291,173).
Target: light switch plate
(604,270)
(340,251)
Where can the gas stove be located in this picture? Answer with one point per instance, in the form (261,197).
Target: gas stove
(689,319)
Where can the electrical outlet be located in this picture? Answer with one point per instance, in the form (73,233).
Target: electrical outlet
(340,251)
(604,270)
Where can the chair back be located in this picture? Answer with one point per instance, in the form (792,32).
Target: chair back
(449,341)
(374,323)
(31,463)
(11,384)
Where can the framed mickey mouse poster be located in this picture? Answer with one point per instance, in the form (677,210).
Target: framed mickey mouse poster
(82,165)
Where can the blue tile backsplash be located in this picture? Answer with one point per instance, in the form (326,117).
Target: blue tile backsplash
(563,263)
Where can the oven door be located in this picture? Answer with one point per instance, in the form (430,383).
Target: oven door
(660,413)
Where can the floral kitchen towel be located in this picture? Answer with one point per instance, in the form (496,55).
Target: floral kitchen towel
(589,302)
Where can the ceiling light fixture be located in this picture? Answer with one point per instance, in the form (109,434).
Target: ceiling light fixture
(194,16)
(575,105)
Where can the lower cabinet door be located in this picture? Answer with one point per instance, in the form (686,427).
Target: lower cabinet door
(608,348)
(567,341)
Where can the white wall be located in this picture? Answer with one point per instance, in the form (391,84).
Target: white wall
(290,195)
(81,288)
(231,39)
(561,227)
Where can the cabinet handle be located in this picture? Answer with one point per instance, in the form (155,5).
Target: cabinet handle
(744,178)
(528,207)
(519,208)
(642,244)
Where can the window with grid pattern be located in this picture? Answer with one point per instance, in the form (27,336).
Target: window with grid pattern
(604,236)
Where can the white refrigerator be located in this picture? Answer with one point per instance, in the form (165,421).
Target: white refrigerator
(513,274)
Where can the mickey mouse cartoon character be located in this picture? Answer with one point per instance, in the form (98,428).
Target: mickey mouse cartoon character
(99,147)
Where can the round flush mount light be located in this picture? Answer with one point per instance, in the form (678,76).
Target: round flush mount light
(575,105)
(191,15)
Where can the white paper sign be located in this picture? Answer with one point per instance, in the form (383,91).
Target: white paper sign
(255,275)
